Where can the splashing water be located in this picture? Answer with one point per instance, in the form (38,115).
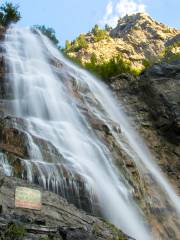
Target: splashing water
(42,97)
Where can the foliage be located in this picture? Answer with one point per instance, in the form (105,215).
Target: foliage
(9,14)
(167,30)
(80,42)
(169,55)
(13,232)
(146,63)
(107,28)
(99,34)
(72,59)
(67,45)
(49,32)
(46,238)
(173,57)
(113,67)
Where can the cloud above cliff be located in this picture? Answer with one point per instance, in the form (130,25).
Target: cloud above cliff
(119,9)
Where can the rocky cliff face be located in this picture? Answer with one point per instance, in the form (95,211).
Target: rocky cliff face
(152,100)
(137,38)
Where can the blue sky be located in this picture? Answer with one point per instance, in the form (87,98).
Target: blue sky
(71,17)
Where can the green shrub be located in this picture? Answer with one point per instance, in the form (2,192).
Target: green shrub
(45,238)
(13,232)
(108,28)
(9,14)
(49,32)
(67,45)
(113,67)
(167,30)
(99,34)
(146,63)
(80,42)
(106,69)
(168,54)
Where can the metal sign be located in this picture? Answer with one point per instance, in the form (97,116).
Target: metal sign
(27,198)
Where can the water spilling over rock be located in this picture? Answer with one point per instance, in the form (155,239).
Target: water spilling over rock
(62,128)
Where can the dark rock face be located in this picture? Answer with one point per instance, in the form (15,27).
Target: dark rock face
(153,102)
(160,90)
(56,220)
(174,40)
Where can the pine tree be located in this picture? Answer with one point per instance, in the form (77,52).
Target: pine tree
(9,14)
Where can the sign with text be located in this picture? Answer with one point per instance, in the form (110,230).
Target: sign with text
(27,198)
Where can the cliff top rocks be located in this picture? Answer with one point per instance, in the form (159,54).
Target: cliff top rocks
(137,38)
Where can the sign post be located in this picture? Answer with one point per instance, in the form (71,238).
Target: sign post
(28,198)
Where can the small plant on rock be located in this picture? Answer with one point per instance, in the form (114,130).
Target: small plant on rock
(13,232)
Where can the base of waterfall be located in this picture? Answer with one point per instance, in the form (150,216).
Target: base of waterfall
(57,219)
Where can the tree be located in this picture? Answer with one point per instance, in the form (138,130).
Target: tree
(112,67)
(93,59)
(99,34)
(9,14)
(95,29)
(49,32)
(108,28)
(80,42)
(67,45)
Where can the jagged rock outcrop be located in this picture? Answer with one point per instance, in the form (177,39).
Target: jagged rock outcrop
(56,220)
(137,38)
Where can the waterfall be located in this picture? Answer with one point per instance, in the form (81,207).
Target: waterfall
(50,94)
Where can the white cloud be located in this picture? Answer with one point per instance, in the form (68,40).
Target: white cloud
(109,17)
(120,9)
(124,7)
(109,8)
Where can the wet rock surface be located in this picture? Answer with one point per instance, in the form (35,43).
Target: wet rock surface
(17,156)
(57,219)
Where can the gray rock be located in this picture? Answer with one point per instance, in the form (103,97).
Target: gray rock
(160,87)
(57,219)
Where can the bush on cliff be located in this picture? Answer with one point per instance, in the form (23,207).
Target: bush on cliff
(113,67)
(76,45)
(67,45)
(99,34)
(80,42)
(13,232)
(49,32)
(9,14)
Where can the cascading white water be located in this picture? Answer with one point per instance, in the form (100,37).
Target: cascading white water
(42,98)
